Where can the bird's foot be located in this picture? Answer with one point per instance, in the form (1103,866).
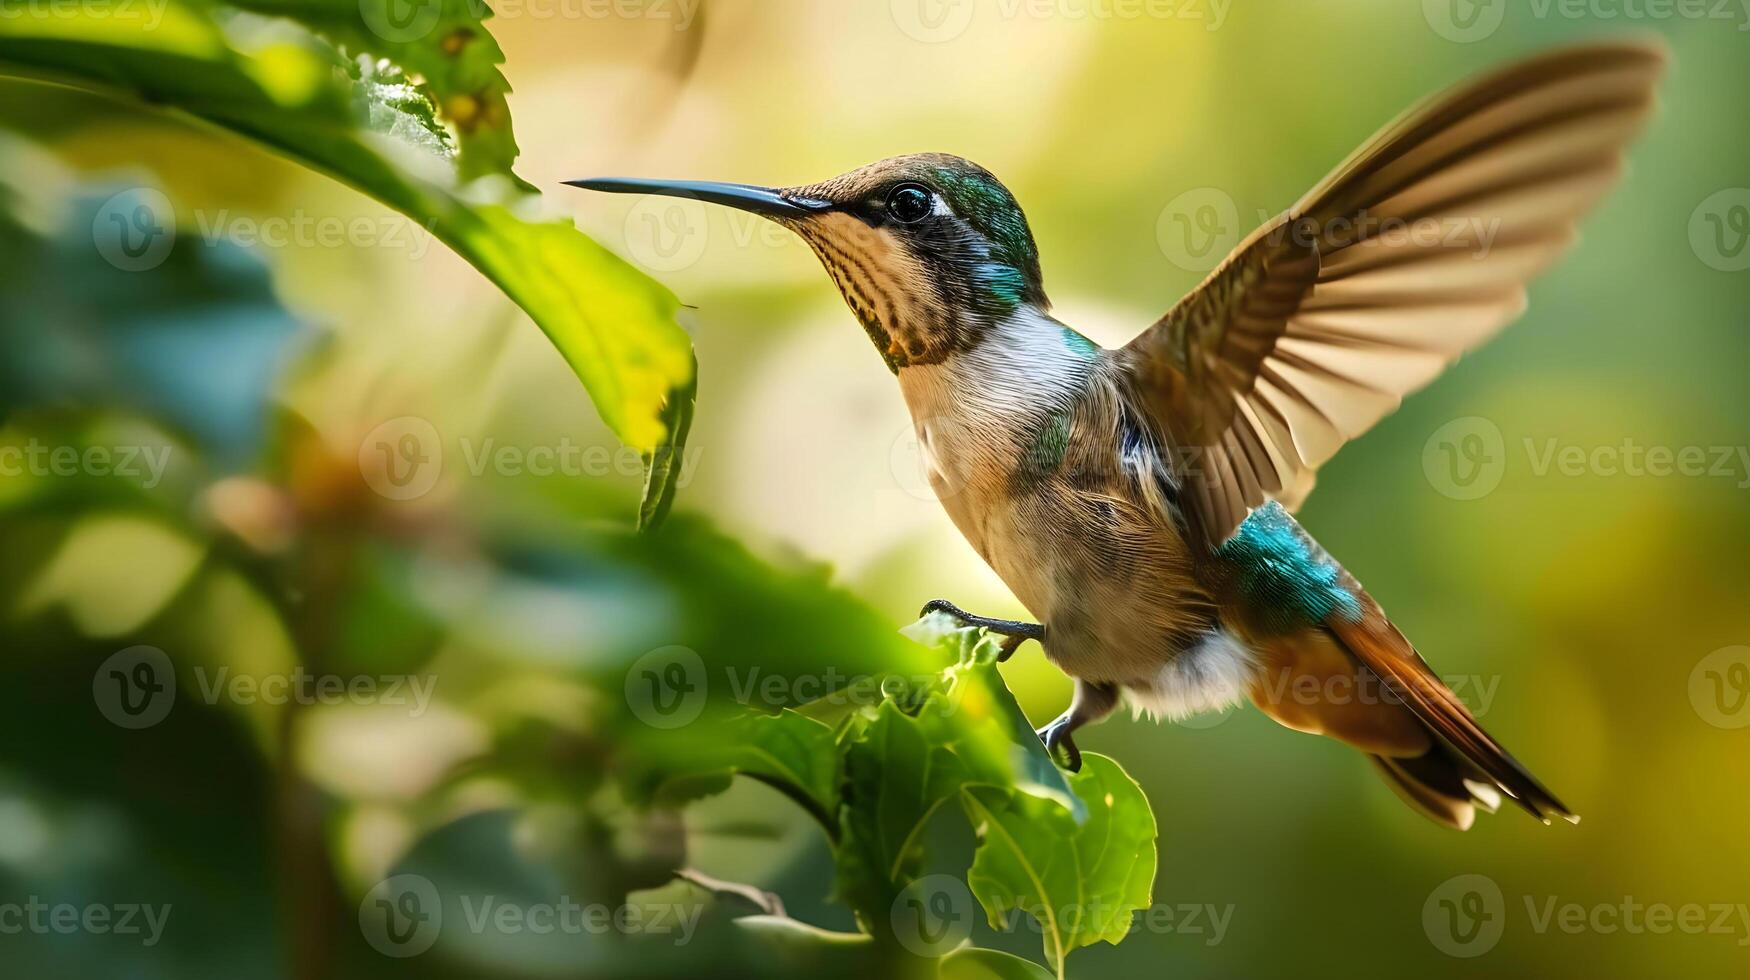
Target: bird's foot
(1059,733)
(1013,632)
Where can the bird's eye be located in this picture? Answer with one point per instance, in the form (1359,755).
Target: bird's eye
(908,203)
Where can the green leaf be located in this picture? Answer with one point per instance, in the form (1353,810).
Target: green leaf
(988,964)
(1081,883)
(798,949)
(993,726)
(289,91)
(445,43)
(921,748)
(790,752)
(387,101)
(897,773)
(662,467)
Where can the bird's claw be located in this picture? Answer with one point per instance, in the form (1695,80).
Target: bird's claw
(1058,733)
(943,605)
(1013,632)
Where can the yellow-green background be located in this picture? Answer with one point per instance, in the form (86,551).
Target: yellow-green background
(1587,601)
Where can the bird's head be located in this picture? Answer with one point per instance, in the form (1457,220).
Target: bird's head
(929,250)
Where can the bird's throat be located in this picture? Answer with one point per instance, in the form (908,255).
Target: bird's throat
(915,312)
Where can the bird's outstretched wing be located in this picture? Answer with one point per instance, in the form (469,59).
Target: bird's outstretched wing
(1415,249)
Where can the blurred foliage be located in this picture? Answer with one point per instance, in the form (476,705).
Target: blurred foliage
(1579,606)
(197,346)
(274,84)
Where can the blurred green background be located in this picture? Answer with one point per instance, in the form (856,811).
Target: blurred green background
(1593,616)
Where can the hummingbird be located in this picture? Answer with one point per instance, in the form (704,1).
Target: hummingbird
(1138,501)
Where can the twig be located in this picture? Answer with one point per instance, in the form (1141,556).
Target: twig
(761,899)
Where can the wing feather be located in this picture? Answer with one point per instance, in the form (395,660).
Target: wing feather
(1414,250)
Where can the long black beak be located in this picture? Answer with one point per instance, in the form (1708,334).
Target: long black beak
(759,200)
